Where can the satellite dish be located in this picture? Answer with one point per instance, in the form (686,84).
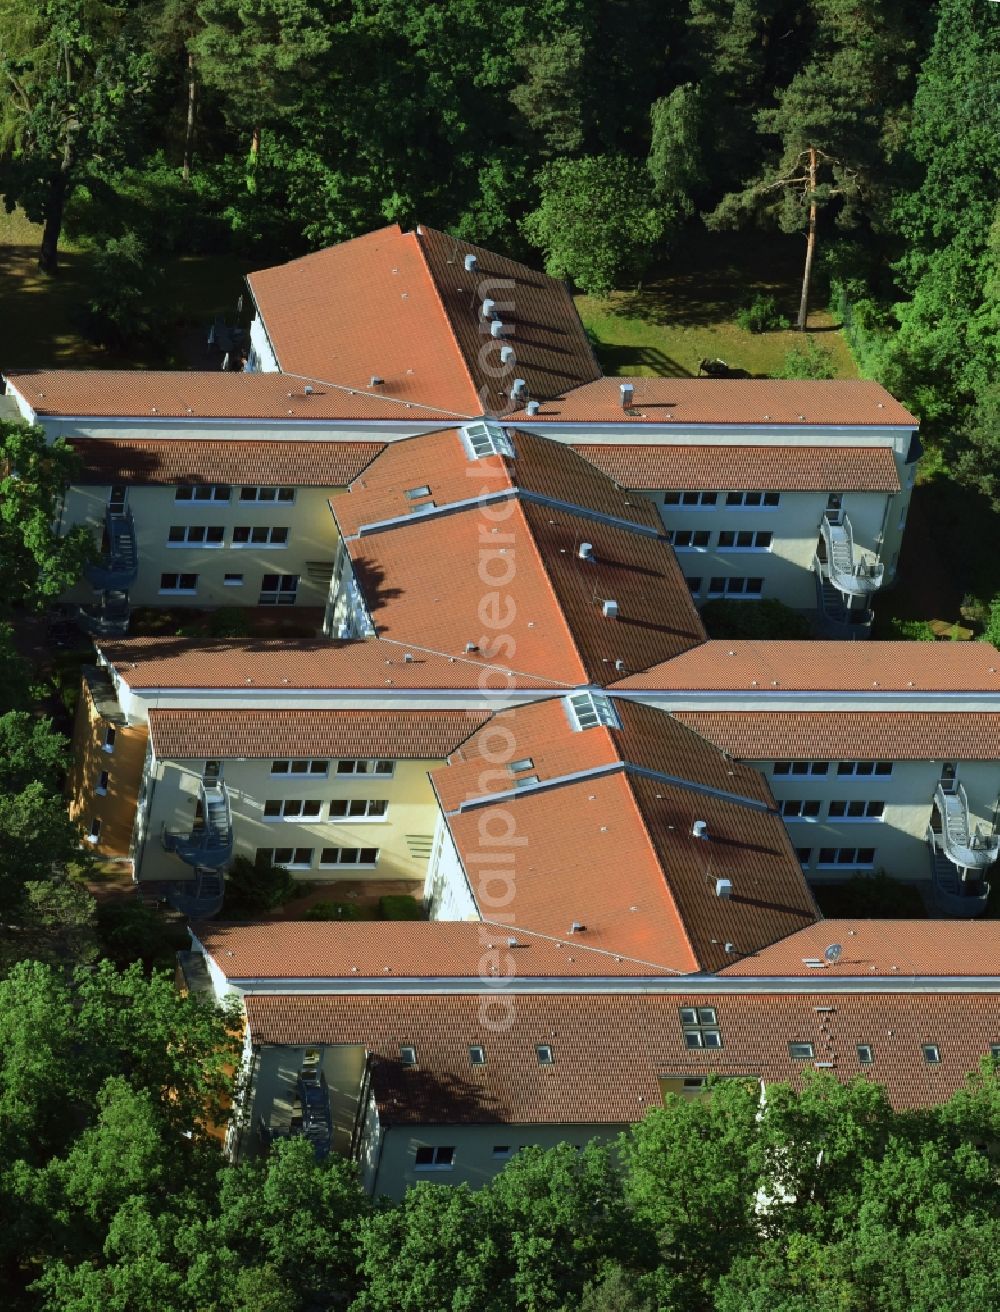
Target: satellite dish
(832,954)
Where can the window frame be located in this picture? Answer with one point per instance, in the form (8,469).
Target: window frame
(358,864)
(212,500)
(368,818)
(217,542)
(437,1161)
(248,543)
(807,1053)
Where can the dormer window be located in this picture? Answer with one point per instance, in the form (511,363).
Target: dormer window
(407,1056)
(586,710)
(486,438)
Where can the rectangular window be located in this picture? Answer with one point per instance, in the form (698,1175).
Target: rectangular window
(385,768)
(95,831)
(804,854)
(865,769)
(691,500)
(202,493)
(303,767)
(857,810)
(753,500)
(232,581)
(110,734)
(293,808)
(349,856)
(801,767)
(797,809)
(932,1054)
(195,535)
(735,587)
(858,858)
(801,1051)
(502,1150)
(435,1159)
(212,771)
(686,539)
(102,784)
(694,585)
(545,1054)
(700,1028)
(116,499)
(865,1054)
(292,858)
(282,494)
(358,808)
(179,583)
(250,535)
(732,540)
(278,590)
(477,1055)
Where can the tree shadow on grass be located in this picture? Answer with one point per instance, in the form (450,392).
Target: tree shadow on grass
(626,360)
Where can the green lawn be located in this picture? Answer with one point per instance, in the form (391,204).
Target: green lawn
(683,312)
(39,329)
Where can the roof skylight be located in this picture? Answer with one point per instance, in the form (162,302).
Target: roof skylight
(586,710)
(486,438)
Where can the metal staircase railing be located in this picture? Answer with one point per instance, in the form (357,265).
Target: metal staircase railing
(848,570)
(965,846)
(118,567)
(210,844)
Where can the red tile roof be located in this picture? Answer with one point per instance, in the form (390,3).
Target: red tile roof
(747,468)
(846,402)
(166,394)
(229,460)
(661,905)
(402,306)
(438,461)
(850,735)
(428,580)
(248,735)
(610,1050)
(284,664)
(772,666)
(342,950)
(882,949)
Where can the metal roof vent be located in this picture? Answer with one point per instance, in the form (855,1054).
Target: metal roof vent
(577,928)
(408,658)
(610,609)
(533,407)
(586,551)
(470,263)
(507,355)
(471,646)
(488,307)
(628,392)
(518,389)
(699,829)
(724,888)
(375,381)
(496,328)
(308,389)
(619,666)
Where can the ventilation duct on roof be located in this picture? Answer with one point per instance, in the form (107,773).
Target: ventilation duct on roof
(518,390)
(699,829)
(610,609)
(496,328)
(375,381)
(533,407)
(507,355)
(586,551)
(724,888)
(488,307)
(470,263)
(628,392)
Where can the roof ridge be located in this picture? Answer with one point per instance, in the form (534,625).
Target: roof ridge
(439,301)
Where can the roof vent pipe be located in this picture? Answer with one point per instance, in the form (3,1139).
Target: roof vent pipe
(610,609)
(506,355)
(533,407)
(699,829)
(724,888)
(586,551)
(628,392)
(496,328)
(375,381)
(308,389)
(470,263)
(518,390)
(471,646)
(488,307)
(576,927)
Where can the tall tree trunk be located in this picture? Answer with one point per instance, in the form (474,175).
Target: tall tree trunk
(55,203)
(253,159)
(810,244)
(189,127)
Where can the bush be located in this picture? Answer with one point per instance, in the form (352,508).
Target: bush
(871,897)
(258,886)
(400,906)
(753,619)
(992,633)
(122,307)
(761,316)
(332,911)
(807,359)
(231,622)
(913,630)
(130,931)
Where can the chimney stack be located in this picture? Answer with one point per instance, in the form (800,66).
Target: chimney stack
(610,609)
(470,263)
(628,392)
(533,407)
